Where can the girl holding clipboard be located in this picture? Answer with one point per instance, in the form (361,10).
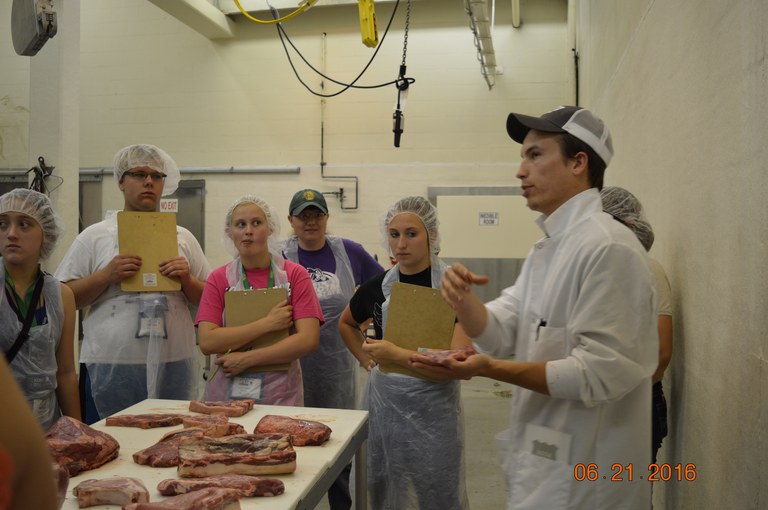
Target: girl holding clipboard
(416,432)
(250,233)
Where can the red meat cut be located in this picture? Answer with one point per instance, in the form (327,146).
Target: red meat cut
(144,421)
(118,490)
(248,486)
(77,447)
(165,453)
(249,454)
(303,432)
(205,499)
(228,407)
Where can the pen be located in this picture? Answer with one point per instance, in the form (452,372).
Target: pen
(542,324)
(218,366)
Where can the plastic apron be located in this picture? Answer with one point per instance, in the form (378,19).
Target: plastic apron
(329,372)
(148,339)
(416,434)
(34,366)
(267,388)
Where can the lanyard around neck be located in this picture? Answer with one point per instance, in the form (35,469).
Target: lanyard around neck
(26,302)
(270,280)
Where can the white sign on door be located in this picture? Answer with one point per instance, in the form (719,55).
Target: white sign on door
(489,219)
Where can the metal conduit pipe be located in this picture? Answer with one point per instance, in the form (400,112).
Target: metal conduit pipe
(516,13)
(209,170)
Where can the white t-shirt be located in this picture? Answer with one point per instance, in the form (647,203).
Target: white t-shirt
(112,322)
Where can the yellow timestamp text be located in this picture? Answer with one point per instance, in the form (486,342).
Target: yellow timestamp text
(627,473)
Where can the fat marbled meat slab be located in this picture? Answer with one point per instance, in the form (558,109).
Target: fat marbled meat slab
(249,454)
(118,490)
(212,498)
(215,425)
(303,432)
(437,357)
(165,453)
(77,447)
(144,421)
(248,486)
(232,408)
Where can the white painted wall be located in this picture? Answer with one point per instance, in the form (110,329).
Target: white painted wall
(146,77)
(683,87)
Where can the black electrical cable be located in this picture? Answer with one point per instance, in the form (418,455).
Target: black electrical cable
(281,32)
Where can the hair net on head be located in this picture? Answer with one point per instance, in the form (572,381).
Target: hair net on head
(272,221)
(422,208)
(38,207)
(157,159)
(622,205)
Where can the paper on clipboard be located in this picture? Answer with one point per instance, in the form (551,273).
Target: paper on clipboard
(244,306)
(417,317)
(152,236)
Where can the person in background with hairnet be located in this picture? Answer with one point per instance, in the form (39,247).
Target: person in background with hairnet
(135,345)
(626,208)
(336,266)
(416,426)
(37,312)
(251,232)
(580,322)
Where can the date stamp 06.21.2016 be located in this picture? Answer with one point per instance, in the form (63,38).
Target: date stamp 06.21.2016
(628,473)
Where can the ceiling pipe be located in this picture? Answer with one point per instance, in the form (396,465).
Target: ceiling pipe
(516,13)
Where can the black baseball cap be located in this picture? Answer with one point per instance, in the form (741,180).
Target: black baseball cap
(307,198)
(574,120)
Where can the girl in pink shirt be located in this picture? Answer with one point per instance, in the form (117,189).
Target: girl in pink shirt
(251,231)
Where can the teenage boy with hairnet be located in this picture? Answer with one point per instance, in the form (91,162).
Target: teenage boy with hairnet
(581,323)
(135,345)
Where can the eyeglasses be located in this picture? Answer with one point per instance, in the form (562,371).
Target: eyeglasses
(307,217)
(142,176)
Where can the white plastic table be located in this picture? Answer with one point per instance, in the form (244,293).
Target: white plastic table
(316,466)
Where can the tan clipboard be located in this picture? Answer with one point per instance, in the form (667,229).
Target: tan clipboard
(152,236)
(245,306)
(417,317)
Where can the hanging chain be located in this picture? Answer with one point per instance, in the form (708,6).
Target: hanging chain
(407,24)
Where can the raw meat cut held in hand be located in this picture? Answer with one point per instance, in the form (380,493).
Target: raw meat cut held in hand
(248,486)
(249,454)
(77,447)
(229,407)
(303,432)
(211,498)
(437,357)
(144,421)
(118,490)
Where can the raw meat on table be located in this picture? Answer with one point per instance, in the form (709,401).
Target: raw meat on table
(165,453)
(77,447)
(215,425)
(118,490)
(249,454)
(303,432)
(228,407)
(144,421)
(247,485)
(212,498)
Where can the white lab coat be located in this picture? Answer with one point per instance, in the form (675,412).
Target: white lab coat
(584,303)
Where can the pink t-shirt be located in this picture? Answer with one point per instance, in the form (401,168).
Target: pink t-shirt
(302,298)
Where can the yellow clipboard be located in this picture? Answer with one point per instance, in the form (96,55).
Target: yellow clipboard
(152,236)
(417,317)
(244,306)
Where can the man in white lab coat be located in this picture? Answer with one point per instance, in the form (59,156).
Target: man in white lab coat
(581,324)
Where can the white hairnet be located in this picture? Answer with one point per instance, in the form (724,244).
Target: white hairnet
(622,205)
(38,207)
(272,221)
(157,159)
(422,208)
